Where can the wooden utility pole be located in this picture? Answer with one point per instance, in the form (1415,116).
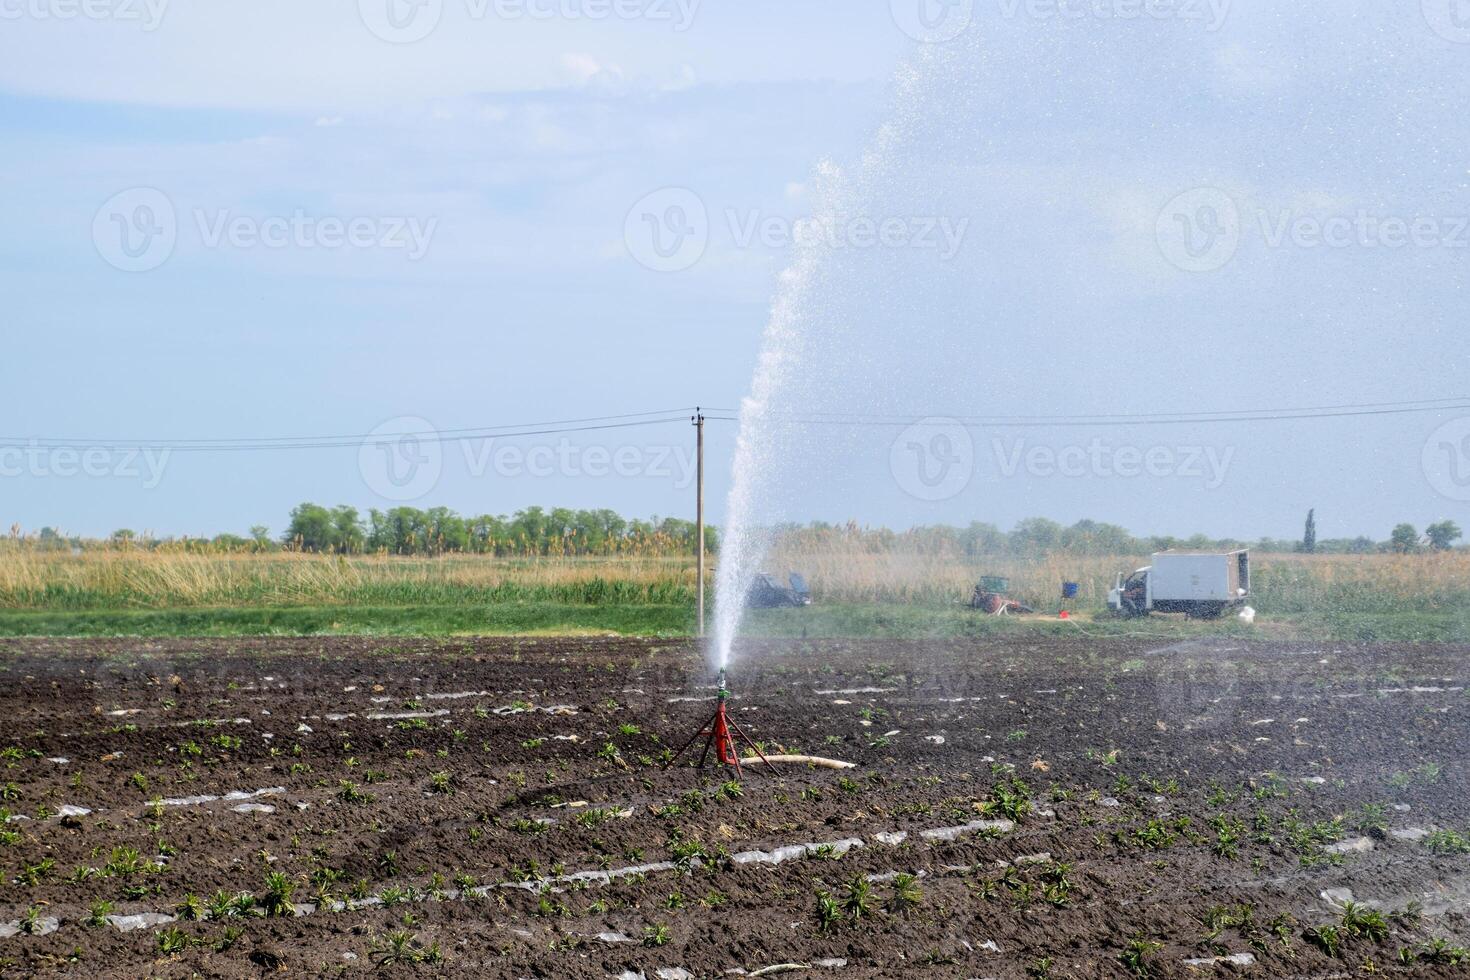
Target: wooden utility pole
(699,515)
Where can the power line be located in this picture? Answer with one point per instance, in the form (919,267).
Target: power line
(1120,420)
(634,420)
(1419,404)
(340,441)
(343,443)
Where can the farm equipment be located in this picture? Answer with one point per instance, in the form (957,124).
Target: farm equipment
(767,593)
(1200,585)
(989,596)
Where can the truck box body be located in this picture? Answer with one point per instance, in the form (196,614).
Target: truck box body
(1189,577)
(1195,583)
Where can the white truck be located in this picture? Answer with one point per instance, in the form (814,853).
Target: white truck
(1200,585)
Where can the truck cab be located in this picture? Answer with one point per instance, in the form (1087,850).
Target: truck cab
(1129,597)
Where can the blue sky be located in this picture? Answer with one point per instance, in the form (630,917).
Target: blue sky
(516,147)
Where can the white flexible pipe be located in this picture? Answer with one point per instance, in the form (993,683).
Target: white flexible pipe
(811,760)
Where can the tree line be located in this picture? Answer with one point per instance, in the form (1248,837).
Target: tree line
(1040,535)
(1403,540)
(532,532)
(538,532)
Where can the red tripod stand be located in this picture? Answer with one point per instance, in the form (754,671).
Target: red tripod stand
(720,733)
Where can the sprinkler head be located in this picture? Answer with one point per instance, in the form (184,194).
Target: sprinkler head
(721,733)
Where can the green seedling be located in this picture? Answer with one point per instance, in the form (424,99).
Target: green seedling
(191,908)
(1138,956)
(906,893)
(1326,938)
(278,892)
(857,903)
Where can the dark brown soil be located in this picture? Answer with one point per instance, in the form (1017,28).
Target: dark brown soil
(1188,800)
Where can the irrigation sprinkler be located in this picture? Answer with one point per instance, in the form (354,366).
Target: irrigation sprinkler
(720,733)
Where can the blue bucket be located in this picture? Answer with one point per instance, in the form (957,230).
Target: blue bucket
(1069,590)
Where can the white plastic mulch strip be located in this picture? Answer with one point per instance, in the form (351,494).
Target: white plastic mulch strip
(235,796)
(146,920)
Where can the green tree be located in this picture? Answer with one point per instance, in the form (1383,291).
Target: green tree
(982,539)
(445,531)
(609,528)
(1442,536)
(487,534)
(347,532)
(1092,538)
(561,529)
(51,539)
(1404,540)
(1036,535)
(311,528)
(400,531)
(528,530)
(1309,537)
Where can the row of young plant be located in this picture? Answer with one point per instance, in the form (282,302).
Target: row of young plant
(857,904)
(1011,797)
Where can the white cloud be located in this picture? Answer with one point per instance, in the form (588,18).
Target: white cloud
(582,66)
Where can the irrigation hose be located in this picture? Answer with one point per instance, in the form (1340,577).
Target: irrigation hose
(1107,636)
(811,760)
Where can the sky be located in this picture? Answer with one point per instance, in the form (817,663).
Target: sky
(274,220)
